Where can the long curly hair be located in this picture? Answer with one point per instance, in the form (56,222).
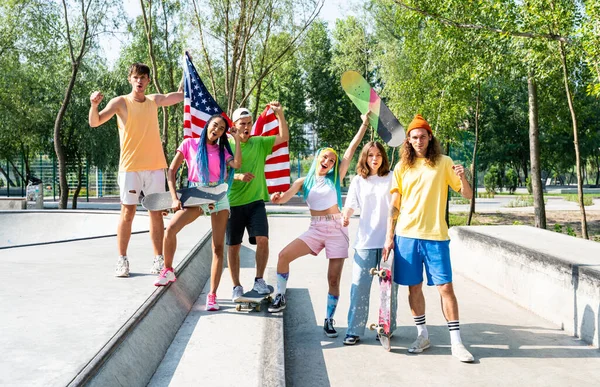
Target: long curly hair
(362,166)
(434,151)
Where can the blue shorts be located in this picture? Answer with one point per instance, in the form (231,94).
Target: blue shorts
(411,254)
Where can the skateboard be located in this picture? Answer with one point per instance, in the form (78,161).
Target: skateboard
(252,300)
(190,197)
(385,295)
(365,98)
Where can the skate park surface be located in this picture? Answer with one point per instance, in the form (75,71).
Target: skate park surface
(65,318)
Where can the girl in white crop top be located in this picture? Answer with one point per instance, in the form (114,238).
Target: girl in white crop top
(321,188)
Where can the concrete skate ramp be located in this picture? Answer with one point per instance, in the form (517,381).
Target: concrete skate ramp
(30,228)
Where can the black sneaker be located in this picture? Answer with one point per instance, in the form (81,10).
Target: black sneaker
(278,304)
(351,340)
(328,328)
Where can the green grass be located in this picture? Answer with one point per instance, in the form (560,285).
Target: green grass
(587,199)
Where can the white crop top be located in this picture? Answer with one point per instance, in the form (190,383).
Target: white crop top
(322,196)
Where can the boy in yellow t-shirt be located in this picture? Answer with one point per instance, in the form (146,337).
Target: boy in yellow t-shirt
(417,230)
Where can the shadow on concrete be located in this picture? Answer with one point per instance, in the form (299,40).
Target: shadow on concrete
(247,257)
(304,360)
(587,327)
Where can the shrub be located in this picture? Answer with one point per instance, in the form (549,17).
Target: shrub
(492,181)
(511,180)
(528,184)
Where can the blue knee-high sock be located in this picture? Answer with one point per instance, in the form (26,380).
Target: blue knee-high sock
(331,305)
(282,279)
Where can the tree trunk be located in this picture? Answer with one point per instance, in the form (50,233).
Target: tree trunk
(539,207)
(563,57)
(474,163)
(148,27)
(79,183)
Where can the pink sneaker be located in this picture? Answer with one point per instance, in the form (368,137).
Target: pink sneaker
(211,302)
(166,276)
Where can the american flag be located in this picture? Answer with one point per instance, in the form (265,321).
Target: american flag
(277,166)
(198,104)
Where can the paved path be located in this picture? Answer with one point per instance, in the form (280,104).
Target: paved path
(511,344)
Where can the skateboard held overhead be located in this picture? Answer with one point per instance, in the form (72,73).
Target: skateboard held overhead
(365,98)
(252,299)
(190,197)
(383,326)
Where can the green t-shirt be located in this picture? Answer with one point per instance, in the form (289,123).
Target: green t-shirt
(254,154)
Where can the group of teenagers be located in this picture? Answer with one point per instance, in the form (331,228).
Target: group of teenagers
(401,211)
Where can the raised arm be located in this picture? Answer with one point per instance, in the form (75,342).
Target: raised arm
(466,191)
(113,107)
(170,98)
(391,224)
(280,198)
(237,158)
(345,163)
(284,133)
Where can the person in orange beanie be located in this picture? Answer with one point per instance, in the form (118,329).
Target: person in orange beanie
(420,236)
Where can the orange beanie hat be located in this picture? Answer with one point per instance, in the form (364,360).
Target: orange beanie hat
(418,123)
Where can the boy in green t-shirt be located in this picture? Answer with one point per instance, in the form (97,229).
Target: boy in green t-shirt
(247,197)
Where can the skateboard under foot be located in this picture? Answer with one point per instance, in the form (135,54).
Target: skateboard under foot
(253,300)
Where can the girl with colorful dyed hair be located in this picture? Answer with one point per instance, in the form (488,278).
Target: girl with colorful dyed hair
(321,188)
(210,162)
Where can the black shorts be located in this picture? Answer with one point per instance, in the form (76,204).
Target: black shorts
(251,216)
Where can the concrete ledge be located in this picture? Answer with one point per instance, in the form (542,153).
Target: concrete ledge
(13,203)
(273,351)
(132,355)
(553,275)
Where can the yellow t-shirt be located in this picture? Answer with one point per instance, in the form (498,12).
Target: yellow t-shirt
(141,149)
(424,192)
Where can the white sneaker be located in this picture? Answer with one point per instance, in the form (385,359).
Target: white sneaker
(420,344)
(122,269)
(261,287)
(158,265)
(166,276)
(237,293)
(461,353)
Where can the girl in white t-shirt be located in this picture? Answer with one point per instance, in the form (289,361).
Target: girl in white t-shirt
(370,193)
(209,162)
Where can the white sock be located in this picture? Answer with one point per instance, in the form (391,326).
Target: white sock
(454,328)
(421,327)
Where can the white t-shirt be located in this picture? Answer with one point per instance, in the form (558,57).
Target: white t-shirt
(372,197)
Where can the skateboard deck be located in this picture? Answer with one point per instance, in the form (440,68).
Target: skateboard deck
(190,197)
(383,326)
(253,300)
(365,98)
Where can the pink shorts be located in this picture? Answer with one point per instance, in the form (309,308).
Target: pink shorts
(327,232)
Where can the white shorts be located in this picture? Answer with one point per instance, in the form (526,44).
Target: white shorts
(132,183)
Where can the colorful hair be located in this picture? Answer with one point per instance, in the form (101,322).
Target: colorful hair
(332,177)
(362,167)
(202,155)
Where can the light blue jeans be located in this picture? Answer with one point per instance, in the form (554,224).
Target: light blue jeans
(360,292)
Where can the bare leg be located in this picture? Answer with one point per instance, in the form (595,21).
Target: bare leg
(219,225)
(124,227)
(262,255)
(334,274)
(449,302)
(179,220)
(295,249)
(157,231)
(233,261)
(416,300)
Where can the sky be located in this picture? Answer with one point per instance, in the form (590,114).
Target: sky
(332,10)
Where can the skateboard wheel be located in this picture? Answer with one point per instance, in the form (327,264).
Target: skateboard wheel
(238,307)
(257,308)
(373,271)
(373,327)
(380,330)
